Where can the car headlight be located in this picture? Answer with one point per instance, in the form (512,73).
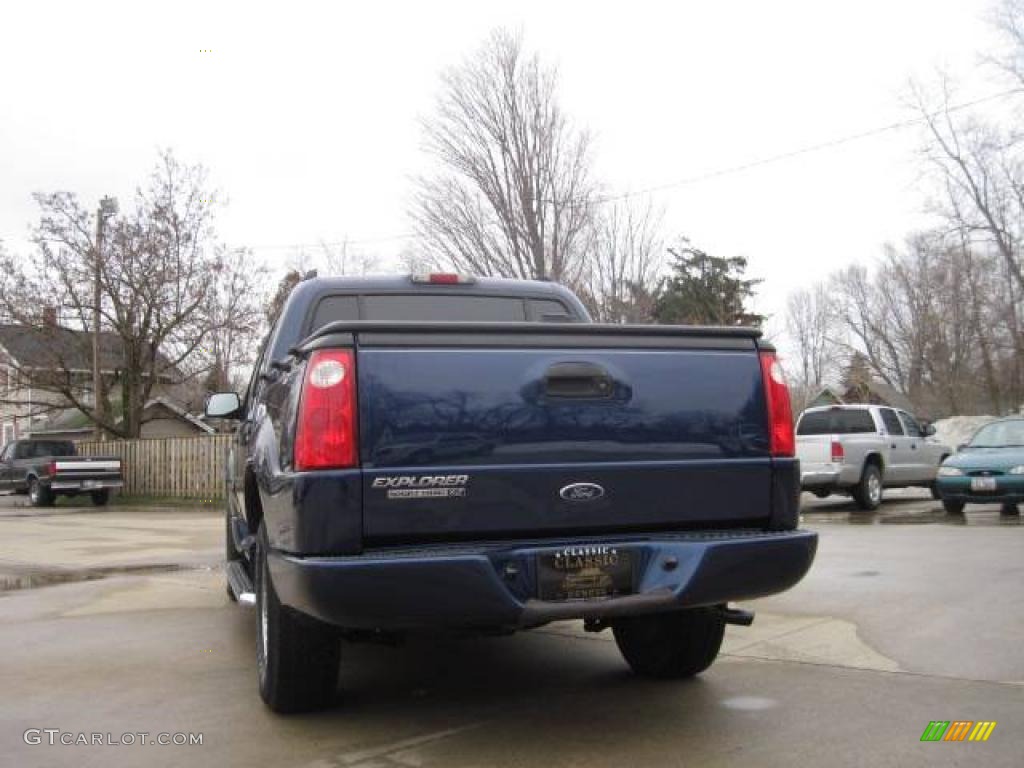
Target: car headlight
(1018,470)
(956,471)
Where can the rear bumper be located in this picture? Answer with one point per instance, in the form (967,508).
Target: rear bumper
(822,475)
(494,585)
(819,477)
(78,486)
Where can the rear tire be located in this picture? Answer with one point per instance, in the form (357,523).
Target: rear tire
(670,645)
(1009,509)
(297,656)
(868,492)
(953,507)
(38,494)
(100,498)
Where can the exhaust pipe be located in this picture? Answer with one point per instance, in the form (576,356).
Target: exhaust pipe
(736,616)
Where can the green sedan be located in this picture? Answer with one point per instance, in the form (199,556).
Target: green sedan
(987,470)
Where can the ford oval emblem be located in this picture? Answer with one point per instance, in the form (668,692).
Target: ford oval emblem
(582,492)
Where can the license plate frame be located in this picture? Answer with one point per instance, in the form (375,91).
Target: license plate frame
(90,484)
(586,572)
(983,484)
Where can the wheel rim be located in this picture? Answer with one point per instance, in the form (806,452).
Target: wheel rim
(874,488)
(33,492)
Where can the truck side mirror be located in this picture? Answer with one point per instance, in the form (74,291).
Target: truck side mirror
(961,447)
(223,405)
(929,430)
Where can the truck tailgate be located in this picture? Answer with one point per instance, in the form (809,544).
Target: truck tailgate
(540,436)
(74,467)
(815,449)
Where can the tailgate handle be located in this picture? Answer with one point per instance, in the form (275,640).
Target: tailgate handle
(578,380)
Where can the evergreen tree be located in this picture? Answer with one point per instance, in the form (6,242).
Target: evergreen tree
(857,373)
(706,290)
(292,278)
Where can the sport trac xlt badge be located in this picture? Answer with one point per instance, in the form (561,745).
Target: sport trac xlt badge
(422,486)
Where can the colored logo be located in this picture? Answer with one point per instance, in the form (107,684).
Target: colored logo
(958,730)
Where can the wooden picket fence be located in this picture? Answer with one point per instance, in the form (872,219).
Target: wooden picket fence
(189,467)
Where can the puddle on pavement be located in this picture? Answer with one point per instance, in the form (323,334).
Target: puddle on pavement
(934,516)
(749,703)
(33,578)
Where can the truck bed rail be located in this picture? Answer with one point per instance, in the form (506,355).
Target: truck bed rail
(409,334)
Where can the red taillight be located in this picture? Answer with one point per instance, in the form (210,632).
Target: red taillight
(780,413)
(325,436)
(837,452)
(443,279)
(51,468)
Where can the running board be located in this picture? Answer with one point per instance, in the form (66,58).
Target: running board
(240,583)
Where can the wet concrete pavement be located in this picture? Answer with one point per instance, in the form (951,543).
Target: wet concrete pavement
(897,625)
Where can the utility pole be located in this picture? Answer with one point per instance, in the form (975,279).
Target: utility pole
(108,208)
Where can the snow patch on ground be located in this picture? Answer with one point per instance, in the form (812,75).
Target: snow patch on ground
(958,429)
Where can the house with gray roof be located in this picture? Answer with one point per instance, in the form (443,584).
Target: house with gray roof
(35,360)
(871,391)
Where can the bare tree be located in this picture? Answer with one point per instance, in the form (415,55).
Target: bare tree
(811,324)
(862,313)
(925,320)
(166,315)
(414,260)
(882,320)
(514,194)
(1008,19)
(979,169)
(624,263)
(345,259)
(234,316)
(941,319)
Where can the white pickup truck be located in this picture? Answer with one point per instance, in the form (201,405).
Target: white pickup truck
(861,449)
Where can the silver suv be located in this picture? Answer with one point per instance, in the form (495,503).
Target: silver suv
(861,449)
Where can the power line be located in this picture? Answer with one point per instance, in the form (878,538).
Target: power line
(808,149)
(709,175)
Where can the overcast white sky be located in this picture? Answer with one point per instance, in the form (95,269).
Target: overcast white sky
(306,113)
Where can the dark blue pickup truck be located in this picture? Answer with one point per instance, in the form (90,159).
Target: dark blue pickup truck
(437,451)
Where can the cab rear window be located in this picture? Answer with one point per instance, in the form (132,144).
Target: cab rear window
(435,307)
(425,308)
(842,422)
(549,311)
(37,449)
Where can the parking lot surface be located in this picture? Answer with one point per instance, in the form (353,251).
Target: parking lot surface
(116,622)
